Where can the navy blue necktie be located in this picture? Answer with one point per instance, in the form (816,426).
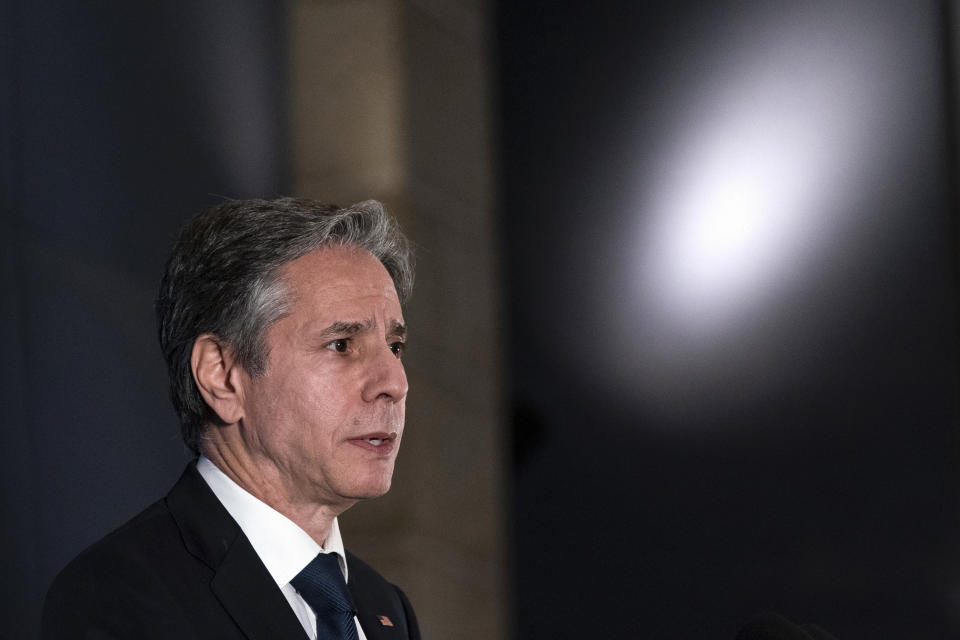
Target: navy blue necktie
(322,585)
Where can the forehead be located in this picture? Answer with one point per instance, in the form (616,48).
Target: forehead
(338,273)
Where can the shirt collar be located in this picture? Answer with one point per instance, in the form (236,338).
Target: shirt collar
(284,548)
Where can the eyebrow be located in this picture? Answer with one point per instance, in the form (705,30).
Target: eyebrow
(347,328)
(344,328)
(397,329)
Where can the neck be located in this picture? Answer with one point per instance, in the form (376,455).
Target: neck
(267,483)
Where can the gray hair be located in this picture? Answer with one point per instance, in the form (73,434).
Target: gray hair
(223,278)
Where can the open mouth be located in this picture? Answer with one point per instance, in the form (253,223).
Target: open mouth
(376,441)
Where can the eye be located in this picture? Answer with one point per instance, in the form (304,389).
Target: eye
(397,348)
(341,345)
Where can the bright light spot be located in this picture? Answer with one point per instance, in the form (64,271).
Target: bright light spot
(740,209)
(757,194)
(741,204)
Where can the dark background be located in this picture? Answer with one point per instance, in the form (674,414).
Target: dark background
(673,474)
(796,452)
(119,120)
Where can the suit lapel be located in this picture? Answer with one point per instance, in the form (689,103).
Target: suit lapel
(374,628)
(378,606)
(241,583)
(251,596)
(371,626)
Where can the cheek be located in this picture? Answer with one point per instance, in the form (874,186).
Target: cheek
(308,409)
(320,413)
(290,408)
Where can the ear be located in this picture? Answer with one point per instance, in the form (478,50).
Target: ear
(218,376)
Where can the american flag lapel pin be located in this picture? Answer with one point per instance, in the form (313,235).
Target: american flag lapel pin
(385,621)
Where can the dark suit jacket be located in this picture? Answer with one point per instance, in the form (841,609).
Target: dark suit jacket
(183,569)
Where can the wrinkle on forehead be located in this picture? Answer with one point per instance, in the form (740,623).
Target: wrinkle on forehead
(333,287)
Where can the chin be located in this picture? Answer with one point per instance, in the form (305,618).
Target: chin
(379,491)
(370,489)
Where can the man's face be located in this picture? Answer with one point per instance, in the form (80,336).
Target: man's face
(327,415)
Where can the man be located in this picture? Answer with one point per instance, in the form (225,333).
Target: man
(281,325)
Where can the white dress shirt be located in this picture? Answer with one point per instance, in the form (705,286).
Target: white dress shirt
(284,548)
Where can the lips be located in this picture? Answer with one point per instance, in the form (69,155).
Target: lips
(380,442)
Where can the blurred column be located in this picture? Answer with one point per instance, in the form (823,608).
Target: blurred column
(390,100)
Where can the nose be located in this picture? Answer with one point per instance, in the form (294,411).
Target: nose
(386,377)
